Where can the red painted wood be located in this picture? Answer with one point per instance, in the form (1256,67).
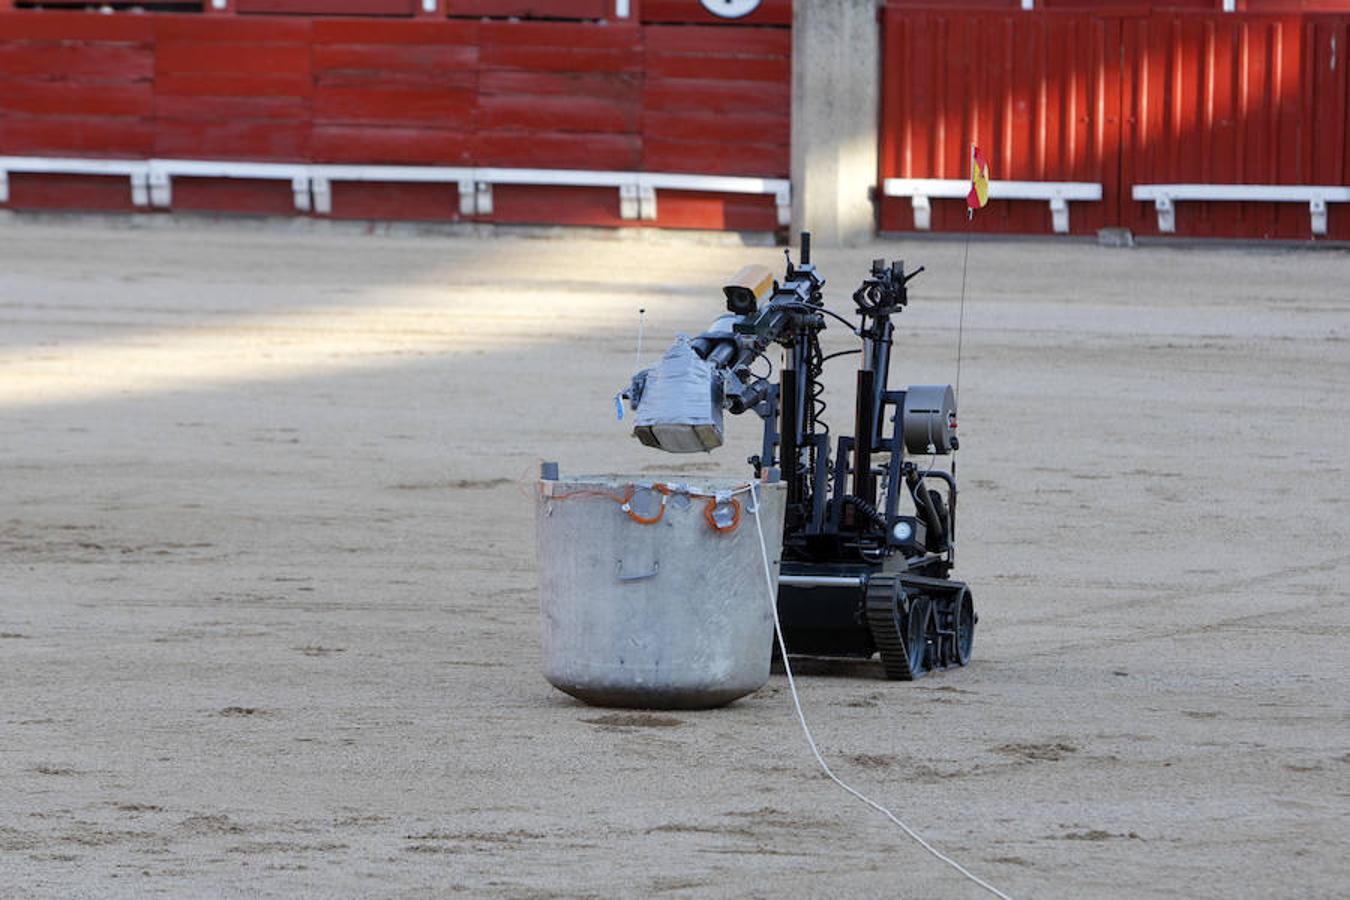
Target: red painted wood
(715,96)
(210,138)
(613,36)
(394,105)
(217,84)
(528,204)
(61,27)
(393,201)
(76,60)
(530,150)
(389,144)
(385,62)
(228,29)
(1119,96)
(188,107)
(618,88)
(349,31)
(557,114)
(232,58)
(326,7)
(22,135)
(715,158)
(82,192)
(544,94)
(534,9)
(718,212)
(1201,114)
(718,41)
(716,100)
(67,98)
(244,196)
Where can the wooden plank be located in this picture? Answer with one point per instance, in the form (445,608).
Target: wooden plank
(752,127)
(715,96)
(714,40)
(216,84)
(715,157)
(232,139)
(229,29)
(231,58)
(77,60)
(326,7)
(549,205)
(364,31)
(114,136)
(241,196)
(543,150)
(775,69)
(174,106)
(375,61)
(74,26)
(66,98)
(101,193)
(718,212)
(556,114)
(395,201)
(408,104)
(404,145)
(575,36)
(534,9)
(624,87)
(562,58)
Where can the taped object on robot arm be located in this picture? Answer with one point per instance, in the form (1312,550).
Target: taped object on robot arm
(677,403)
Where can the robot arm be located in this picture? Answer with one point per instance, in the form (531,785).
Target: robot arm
(678,402)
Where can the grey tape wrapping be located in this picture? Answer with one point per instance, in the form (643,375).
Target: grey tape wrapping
(682,392)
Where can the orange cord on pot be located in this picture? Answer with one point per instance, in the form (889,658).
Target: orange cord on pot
(711,508)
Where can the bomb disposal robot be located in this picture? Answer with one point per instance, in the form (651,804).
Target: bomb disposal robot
(862,572)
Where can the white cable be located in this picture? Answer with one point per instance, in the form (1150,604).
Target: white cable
(801,717)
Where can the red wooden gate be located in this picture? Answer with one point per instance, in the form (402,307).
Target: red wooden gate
(670,88)
(1120,97)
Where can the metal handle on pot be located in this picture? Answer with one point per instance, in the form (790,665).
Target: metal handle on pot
(656,567)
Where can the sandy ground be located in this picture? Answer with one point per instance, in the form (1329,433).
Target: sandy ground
(268,622)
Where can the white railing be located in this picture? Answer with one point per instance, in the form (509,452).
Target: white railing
(312,184)
(1166,196)
(139,172)
(1056,193)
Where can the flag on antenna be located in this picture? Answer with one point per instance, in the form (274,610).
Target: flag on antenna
(979,180)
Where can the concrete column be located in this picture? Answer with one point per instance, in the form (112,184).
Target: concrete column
(836,90)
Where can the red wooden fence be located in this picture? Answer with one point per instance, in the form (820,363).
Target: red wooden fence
(1074,91)
(1119,96)
(642,94)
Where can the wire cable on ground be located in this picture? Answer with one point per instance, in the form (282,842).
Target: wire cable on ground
(801,717)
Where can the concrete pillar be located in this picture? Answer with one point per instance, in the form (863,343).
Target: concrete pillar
(836,90)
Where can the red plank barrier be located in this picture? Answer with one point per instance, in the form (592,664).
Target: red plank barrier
(603,94)
(716,100)
(1119,96)
(96,72)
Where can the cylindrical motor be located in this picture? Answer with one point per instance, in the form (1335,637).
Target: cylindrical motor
(929,421)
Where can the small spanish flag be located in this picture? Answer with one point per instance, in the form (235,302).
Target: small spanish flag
(979,180)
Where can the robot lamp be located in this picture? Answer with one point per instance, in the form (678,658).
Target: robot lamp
(747,287)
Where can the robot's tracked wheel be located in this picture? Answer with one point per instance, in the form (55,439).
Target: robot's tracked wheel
(964,641)
(901,628)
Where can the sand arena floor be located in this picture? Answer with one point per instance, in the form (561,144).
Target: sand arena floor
(268,623)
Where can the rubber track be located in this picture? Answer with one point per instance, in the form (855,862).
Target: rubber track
(883,620)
